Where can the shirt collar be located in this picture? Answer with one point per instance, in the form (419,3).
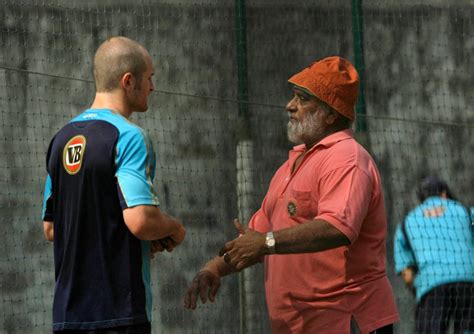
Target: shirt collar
(106,111)
(326,141)
(434,200)
(100,110)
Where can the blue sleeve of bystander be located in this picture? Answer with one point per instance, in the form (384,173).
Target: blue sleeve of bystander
(402,253)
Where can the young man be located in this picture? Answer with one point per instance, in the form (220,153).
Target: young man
(322,225)
(434,254)
(100,208)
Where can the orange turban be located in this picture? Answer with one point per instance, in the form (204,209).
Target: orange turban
(333,80)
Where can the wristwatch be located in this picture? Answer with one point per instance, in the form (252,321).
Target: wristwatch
(270,242)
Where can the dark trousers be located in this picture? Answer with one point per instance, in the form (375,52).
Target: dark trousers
(388,329)
(449,302)
(133,329)
(383,330)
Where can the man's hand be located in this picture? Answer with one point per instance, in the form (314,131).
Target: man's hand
(173,240)
(244,251)
(159,246)
(48,229)
(169,243)
(408,275)
(205,284)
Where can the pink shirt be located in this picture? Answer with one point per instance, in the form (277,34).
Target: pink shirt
(338,182)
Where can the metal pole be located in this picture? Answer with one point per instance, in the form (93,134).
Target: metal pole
(358,37)
(244,145)
(241,40)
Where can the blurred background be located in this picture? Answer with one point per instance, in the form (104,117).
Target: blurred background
(218,124)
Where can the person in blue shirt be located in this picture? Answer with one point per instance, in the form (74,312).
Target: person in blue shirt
(434,254)
(100,207)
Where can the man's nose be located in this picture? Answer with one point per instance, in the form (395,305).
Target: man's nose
(291,105)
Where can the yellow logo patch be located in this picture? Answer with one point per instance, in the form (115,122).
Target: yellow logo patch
(73,153)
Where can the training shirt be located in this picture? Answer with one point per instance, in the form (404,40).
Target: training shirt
(441,236)
(98,165)
(337,181)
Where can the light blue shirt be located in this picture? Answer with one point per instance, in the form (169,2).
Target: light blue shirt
(441,236)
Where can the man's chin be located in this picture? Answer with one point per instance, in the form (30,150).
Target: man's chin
(143,109)
(294,139)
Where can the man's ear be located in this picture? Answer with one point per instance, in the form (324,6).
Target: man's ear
(331,118)
(128,81)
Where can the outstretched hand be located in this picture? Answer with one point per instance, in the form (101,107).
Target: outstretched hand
(244,251)
(205,285)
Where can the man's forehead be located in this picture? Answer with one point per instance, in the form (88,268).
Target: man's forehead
(307,94)
(302,91)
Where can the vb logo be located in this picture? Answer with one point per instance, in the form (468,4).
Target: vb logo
(73,154)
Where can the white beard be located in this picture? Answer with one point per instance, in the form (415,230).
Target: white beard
(307,128)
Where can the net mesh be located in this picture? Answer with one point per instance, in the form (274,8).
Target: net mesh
(214,162)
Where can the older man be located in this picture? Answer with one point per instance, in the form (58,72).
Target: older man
(322,225)
(99,205)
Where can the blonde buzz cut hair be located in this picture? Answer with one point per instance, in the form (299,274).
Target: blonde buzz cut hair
(115,57)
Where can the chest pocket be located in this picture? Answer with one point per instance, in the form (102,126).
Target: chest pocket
(299,204)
